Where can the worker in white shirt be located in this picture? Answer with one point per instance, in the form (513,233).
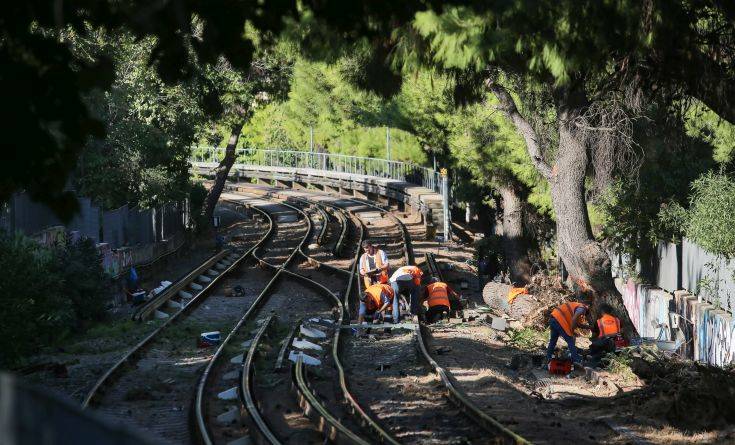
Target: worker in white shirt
(374,267)
(407,280)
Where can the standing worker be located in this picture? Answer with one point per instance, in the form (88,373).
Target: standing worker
(407,280)
(565,319)
(376,300)
(439,298)
(374,266)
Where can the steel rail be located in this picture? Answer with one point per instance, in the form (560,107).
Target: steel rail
(331,427)
(132,352)
(460,399)
(340,215)
(200,421)
(456,395)
(146,309)
(408,250)
(357,410)
(245,390)
(265,433)
(453,393)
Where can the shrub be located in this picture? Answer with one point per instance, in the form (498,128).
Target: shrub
(46,293)
(711,221)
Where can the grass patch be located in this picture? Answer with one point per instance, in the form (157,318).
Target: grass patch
(110,336)
(619,364)
(528,339)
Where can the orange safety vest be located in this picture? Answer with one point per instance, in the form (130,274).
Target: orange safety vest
(438,294)
(564,315)
(383,277)
(608,325)
(372,301)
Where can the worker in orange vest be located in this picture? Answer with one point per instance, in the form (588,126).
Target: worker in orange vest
(439,298)
(375,301)
(374,267)
(406,280)
(609,327)
(564,320)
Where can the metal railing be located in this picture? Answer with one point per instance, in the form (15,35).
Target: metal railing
(355,165)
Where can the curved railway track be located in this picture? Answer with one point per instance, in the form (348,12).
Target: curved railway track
(266,426)
(473,426)
(250,396)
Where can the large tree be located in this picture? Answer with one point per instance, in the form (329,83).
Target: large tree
(241,93)
(571,65)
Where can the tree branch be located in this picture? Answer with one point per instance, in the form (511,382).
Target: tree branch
(508,106)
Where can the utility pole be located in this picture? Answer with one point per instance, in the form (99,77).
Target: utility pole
(387,142)
(445,199)
(311,145)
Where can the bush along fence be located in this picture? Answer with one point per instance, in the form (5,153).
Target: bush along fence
(124,237)
(691,301)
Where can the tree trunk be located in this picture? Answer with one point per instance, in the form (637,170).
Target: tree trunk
(222,171)
(587,262)
(514,242)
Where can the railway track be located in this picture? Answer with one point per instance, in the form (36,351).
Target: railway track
(274,418)
(377,415)
(150,384)
(469,430)
(350,389)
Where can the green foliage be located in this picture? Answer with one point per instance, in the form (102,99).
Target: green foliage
(704,124)
(46,83)
(711,222)
(150,126)
(48,293)
(638,212)
(486,144)
(344,119)
(619,364)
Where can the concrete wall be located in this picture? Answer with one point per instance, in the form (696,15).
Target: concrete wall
(647,307)
(709,333)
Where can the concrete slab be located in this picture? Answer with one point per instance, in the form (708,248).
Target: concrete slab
(312,332)
(228,394)
(305,358)
(306,345)
(160,314)
(230,416)
(196,286)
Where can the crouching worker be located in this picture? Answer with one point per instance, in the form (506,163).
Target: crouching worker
(407,280)
(375,301)
(609,327)
(439,298)
(564,320)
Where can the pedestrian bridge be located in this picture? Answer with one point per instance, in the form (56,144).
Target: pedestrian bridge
(401,185)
